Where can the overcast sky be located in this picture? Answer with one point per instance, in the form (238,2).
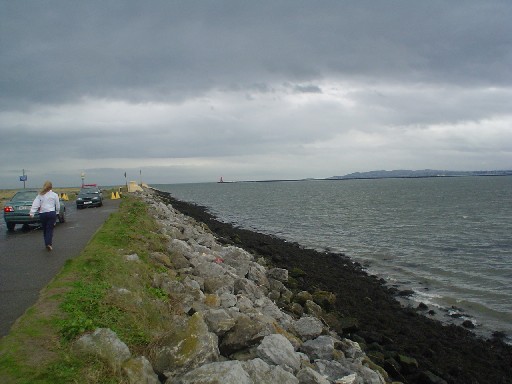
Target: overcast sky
(188,91)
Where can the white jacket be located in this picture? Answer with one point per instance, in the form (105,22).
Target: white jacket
(45,203)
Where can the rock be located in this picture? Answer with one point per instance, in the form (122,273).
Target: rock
(296,309)
(246,332)
(140,371)
(236,253)
(303,296)
(310,376)
(104,344)
(279,274)
(192,284)
(392,367)
(339,369)
(468,324)
(261,372)
(181,247)
(247,288)
(240,268)
(308,327)
(257,274)
(179,261)
(408,364)
(326,300)
(219,321)
(349,379)
(226,372)
(277,350)
(186,347)
(274,295)
(313,308)
(351,349)
(211,301)
(320,348)
(245,354)
(169,285)
(286,296)
(244,304)
(227,300)
(132,257)
(332,370)
(218,284)
(406,293)
(276,285)
(208,269)
(268,308)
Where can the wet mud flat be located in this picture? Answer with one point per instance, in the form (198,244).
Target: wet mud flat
(367,311)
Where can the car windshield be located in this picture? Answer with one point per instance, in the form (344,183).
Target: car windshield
(89,191)
(25,195)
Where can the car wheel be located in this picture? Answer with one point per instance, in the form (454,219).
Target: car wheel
(10,226)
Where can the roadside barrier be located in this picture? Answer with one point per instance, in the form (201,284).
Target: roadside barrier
(115,196)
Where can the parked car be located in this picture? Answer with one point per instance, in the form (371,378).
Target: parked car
(17,210)
(89,197)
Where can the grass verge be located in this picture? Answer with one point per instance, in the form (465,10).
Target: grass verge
(99,288)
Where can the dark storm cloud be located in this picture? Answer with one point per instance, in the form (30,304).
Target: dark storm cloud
(59,50)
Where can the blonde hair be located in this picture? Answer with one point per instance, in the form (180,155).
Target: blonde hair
(46,187)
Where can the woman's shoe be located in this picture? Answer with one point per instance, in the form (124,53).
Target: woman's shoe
(49,248)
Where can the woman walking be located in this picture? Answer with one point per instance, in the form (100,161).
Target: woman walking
(47,203)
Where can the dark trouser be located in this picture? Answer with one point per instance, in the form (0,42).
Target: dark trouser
(48,220)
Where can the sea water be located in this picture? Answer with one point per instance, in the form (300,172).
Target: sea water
(447,239)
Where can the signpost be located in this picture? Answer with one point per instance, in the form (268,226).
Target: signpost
(82,175)
(23,178)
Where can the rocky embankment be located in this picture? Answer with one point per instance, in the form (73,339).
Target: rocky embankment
(251,308)
(229,325)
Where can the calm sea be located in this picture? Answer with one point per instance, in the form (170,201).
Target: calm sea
(448,239)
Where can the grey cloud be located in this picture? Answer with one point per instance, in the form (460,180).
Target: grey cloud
(302,85)
(307,89)
(57,50)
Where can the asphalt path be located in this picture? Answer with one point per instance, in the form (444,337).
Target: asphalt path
(26,266)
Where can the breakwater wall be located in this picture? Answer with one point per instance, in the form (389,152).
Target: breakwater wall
(367,311)
(249,308)
(228,321)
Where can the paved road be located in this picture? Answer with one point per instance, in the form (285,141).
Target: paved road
(25,264)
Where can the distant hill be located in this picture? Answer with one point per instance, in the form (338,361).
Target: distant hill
(402,173)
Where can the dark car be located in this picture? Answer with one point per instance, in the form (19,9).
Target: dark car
(89,197)
(17,210)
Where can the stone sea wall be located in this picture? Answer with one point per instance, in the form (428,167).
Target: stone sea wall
(229,322)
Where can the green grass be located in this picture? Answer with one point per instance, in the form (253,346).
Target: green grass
(99,288)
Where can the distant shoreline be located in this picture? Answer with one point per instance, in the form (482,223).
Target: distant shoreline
(370,177)
(426,173)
